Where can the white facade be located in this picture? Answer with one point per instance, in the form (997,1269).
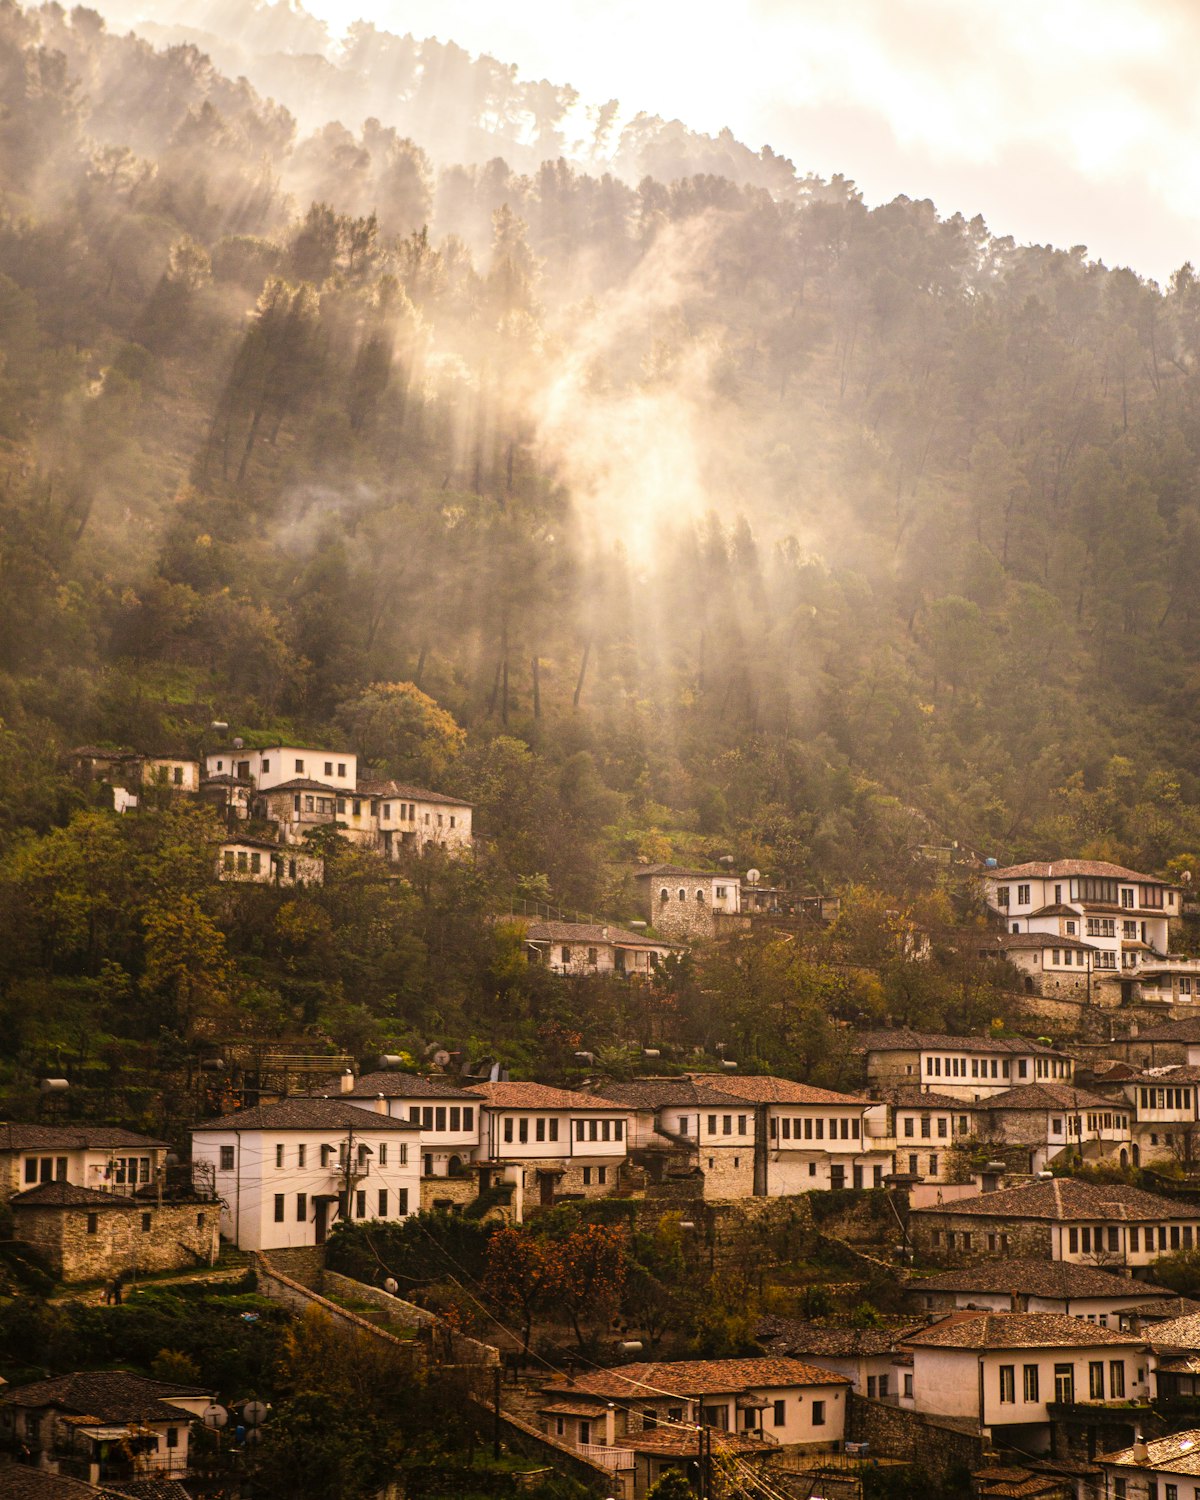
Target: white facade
(966,1068)
(283,1184)
(450,1119)
(39,1154)
(588,948)
(280,763)
(255,862)
(820,1146)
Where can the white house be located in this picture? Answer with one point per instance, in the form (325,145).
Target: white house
(103,1158)
(286,1172)
(1166,1468)
(247,860)
(1036,1286)
(548,1141)
(962,1067)
(588,948)
(448,1117)
(1166,1109)
(871,1358)
(277,764)
(1003,1371)
(920,1127)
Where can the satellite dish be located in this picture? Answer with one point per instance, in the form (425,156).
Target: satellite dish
(253,1413)
(391,1285)
(753,877)
(214,1416)
(441,1057)
(239,743)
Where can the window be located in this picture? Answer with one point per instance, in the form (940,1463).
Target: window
(226,1158)
(172,1437)
(278,1156)
(401,1202)
(523,1130)
(933,1167)
(1022,895)
(779,1413)
(508,1128)
(908,1386)
(383,1150)
(1096,1380)
(93,1223)
(1127,897)
(326,1155)
(300,767)
(1116,1380)
(1064,1383)
(341,768)
(664,895)
(1002,896)
(871,1383)
(587,1176)
(909,1122)
(593,956)
(301,1208)
(566,954)
(941,1126)
(818,1413)
(279,1208)
(926,1128)
(467,1113)
(726,1124)
(360,1204)
(1031,1383)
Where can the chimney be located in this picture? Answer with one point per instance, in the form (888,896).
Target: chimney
(1141,1454)
(346,1081)
(610,1425)
(380,1105)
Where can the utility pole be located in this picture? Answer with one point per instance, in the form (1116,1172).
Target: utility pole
(346,1176)
(496,1413)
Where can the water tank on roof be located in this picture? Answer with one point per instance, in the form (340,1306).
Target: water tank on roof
(54,1085)
(390,1060)
(991,864)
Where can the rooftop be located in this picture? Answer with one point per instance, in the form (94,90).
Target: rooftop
(301,1113)
(1046,1096)
(1064,1198)
(654,870)
(590,932)
(73,1138)
(1032,941)
(694,1377)
(1036,1278)
(399,789)
(901,1039)
(987,1330)
(1051,869)
(912,1096)
(506,1095)
(108,1396)
(394,1085)
(765,1089)
(23,1482)
(1178,1454)
(67,1195)
(792,1336)
(1177,1333)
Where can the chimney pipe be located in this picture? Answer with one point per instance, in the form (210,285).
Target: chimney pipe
(346,1081)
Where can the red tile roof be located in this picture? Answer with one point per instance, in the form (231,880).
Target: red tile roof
(694,1377)
(506,1095)
(1048,869)
(765,1089)
(988,1330)
(1063,1199)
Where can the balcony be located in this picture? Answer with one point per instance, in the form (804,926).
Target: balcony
(605,1457)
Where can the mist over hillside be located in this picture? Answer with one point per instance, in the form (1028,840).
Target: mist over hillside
(751,519)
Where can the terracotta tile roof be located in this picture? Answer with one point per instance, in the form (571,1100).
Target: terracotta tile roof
(590,932)
(73,1138)
(506,1095)
(667,1441)
(1037,1278)
(226,781)
(1064,1198)
(648,1093)
(67,1195)
(694,1377)
(303,784)
(22,1482)
(105,1396)
(792,1336)
(1047,1096)
(1184,1073)
(1022,942)
(399,789)
(1176,1333)
(904,1040)
(1056,909)
(1048,870)
(1019,1331)
(1186,1032)
(1177,1454)
(151,1487)
(1162,1309)
(768,1090)
(912,1096)
(397,1085)
(301,1113)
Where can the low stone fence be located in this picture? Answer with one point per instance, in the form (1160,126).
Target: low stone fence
(444,1342)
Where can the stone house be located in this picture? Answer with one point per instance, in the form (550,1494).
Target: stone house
(1037,1286)
(260,862)
(285,1172)
(962,1067)
(1048,965)
(684,904)
(104,1158)
(770,1403)
(1053,1119)
(921,1127)
(1015,1374)
(1165,1468)
(588,948)
(1166,1109)
(448,1117)
(88,1236)
(1058,1219)
(1176,1356)
(549,1142)
(129,773)
(412,817)
(103,1426)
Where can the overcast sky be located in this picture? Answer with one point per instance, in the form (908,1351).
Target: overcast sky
(1068,121)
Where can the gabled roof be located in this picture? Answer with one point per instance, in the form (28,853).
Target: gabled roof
(648,871)
(23,1482)
(766,1089)
(67,1195)
(657,1093)
(792,1336)
(1063,1199)
(1033,941)
(590,932)
(912,1096)
(517,1095)
(1018,1331)
(1047,1096)
(902,1039)
(1037,1278)
(73,1138)
(396,1085)
(1050,870)
(693,1377)
(303,784)
(1164,1309)
(1056,909)
(1176,1333)
(303,1113)
(1186,1032)
(108,1396)
(368,787)
(1177,1454)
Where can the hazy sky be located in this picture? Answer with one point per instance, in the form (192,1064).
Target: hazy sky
(1071,121)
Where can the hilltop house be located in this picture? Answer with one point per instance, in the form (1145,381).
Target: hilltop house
(871,1358)
(1052,1118)
(103,1158)
(1059,1219)
(448,1117)
(639,1420)
(1011,1373)
(1035,1286)
(127,774)
(254,861)
(1122,918)
(921,1126)
(961,1067)
(284,1172)
(1165,1468)
(684,904)
(548,1142)
(105,1426)
(586,948)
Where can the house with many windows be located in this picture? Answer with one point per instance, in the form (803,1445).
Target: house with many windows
(103,1158)
(1051,1120)
(962,1067)
(448,1116)
(921,1126)
(1164,1468)
(1012,1373)
(1166,1114)
(684,904)
(588,948)
(1037,1286)
(286,1172)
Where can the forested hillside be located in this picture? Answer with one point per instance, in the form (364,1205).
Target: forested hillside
(708,516)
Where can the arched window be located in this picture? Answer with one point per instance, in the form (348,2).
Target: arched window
(664,895)
(700,894)
(682,894)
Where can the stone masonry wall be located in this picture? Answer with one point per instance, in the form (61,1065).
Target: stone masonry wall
(944,1452)
(436,1192)
(1025,1241)
(139,1238)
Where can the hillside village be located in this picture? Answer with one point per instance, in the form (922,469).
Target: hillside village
(1010,1200)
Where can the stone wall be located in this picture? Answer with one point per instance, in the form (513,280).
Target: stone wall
(454,1348)
(452,1193)
(945,1451)
(81,1244)
(1025,1241)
